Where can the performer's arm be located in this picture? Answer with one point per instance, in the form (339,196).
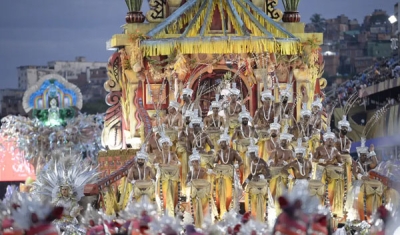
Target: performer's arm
(209,142)
(255,119)
(265,172)
(189,145)
(348,146)
(235,135)
(275,157)
(255,132)
(354,169)
(248,179)
(151,173)
(180,122)
(175,158)
(222,120)
(130,175)
(339,158)
(374,162)
(216,158)
(165,120)
(238,159)
(311,169)
(285,169)
(206,122)
(188,177)
(315,156)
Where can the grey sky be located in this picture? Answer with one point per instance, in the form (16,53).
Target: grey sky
(33,32)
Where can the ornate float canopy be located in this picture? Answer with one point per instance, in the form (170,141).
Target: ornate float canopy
(52,86)
(253,31)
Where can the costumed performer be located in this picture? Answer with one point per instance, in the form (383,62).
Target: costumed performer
(298,171)
(272,143)
(366,194)
(199,140)
(242,137)
(142,178)
(168,176)
(343,145)
(256,185)
(214,123)
(226,181)
(281,157)
(263,117)
(200,189)
(173,122)
(232,109)
(188,104)
(329,169)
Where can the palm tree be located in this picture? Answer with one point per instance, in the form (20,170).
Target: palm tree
(319,23)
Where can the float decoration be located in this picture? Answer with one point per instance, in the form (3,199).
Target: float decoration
(56,124)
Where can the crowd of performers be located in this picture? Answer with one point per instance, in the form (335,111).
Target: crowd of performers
(209,166)
(285,176)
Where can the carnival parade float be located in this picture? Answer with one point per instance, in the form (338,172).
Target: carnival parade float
(216,125)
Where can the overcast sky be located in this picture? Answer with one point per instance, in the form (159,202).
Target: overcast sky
(33,32)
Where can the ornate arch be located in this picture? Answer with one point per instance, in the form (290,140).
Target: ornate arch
(204,70)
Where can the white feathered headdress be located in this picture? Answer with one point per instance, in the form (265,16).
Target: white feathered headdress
(75,176)
(244,114)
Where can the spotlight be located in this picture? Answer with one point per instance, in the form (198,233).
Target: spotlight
(392,19)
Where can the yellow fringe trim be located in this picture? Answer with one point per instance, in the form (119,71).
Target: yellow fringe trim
(223,47)
(110,202)
(183,21)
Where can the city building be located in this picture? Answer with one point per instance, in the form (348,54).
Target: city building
(29,75)
(11,102)
(331,60)
(91,83)
(396,25)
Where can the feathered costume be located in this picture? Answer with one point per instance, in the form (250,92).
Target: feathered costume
(70,175)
